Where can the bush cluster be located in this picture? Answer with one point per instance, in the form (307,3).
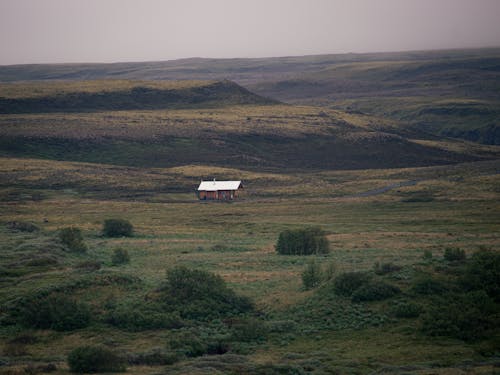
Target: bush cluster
(468,317)
(426,285)
(72,238)
(92,359)
(140,317)
(374,291)
(54,311)
(198,294)
(117,228)
(483,273)
(302,242)
(347,283)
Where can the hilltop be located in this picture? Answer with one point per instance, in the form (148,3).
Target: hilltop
(44,97)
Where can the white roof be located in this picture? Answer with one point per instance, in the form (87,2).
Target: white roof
(219,185)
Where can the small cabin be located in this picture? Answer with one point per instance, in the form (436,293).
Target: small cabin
(219,190)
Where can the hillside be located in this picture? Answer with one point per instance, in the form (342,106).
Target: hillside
(455,97)
(122,95)
(451,93)
(113,122)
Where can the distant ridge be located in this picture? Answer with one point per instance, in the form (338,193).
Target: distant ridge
(124,95)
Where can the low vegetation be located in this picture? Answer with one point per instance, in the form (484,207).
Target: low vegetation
(94,359)
(117,228)
(302,242)
(72,238)
(53,311)
(318,269)
(120,256)
(198,294)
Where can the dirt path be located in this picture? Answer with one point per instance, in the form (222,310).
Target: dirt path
(384,189)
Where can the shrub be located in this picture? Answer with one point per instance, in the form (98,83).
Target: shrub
(374,291)
(120,256)
(428,286)
(312,275)
(92,359)
(201,294)
(72,238)
(452,254)
(117,228)
(347,283)
(141,317)
(302,242)
(483,272)
(468,317)
(22,226)
(385,268)
(406,310)
(55,311)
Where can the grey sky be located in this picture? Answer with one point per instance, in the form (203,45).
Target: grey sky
(39,31)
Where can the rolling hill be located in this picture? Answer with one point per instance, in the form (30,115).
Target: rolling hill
(175,123)
(452,93)
(122,95)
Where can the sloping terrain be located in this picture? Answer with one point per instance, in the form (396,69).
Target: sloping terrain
(209,132)
(447,93)
(120,95)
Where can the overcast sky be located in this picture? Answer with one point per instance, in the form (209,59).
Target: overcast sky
(40,31)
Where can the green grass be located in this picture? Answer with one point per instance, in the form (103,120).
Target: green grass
(237,241)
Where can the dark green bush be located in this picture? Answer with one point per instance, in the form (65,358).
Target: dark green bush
(22,226)
(374,291)
(55,311)
(141,317)
(117,228)
(92,359)
(454,254)
(120,256)
(302,242)
(428,286)
(468,317)
(190,345)
(406,310)
(312,275)
(483,272)
(72,238)
(347,283)
(198,294)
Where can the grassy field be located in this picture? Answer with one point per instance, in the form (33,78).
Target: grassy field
(455,206)
(409,286)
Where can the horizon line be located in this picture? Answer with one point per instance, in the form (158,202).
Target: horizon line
(254,58)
